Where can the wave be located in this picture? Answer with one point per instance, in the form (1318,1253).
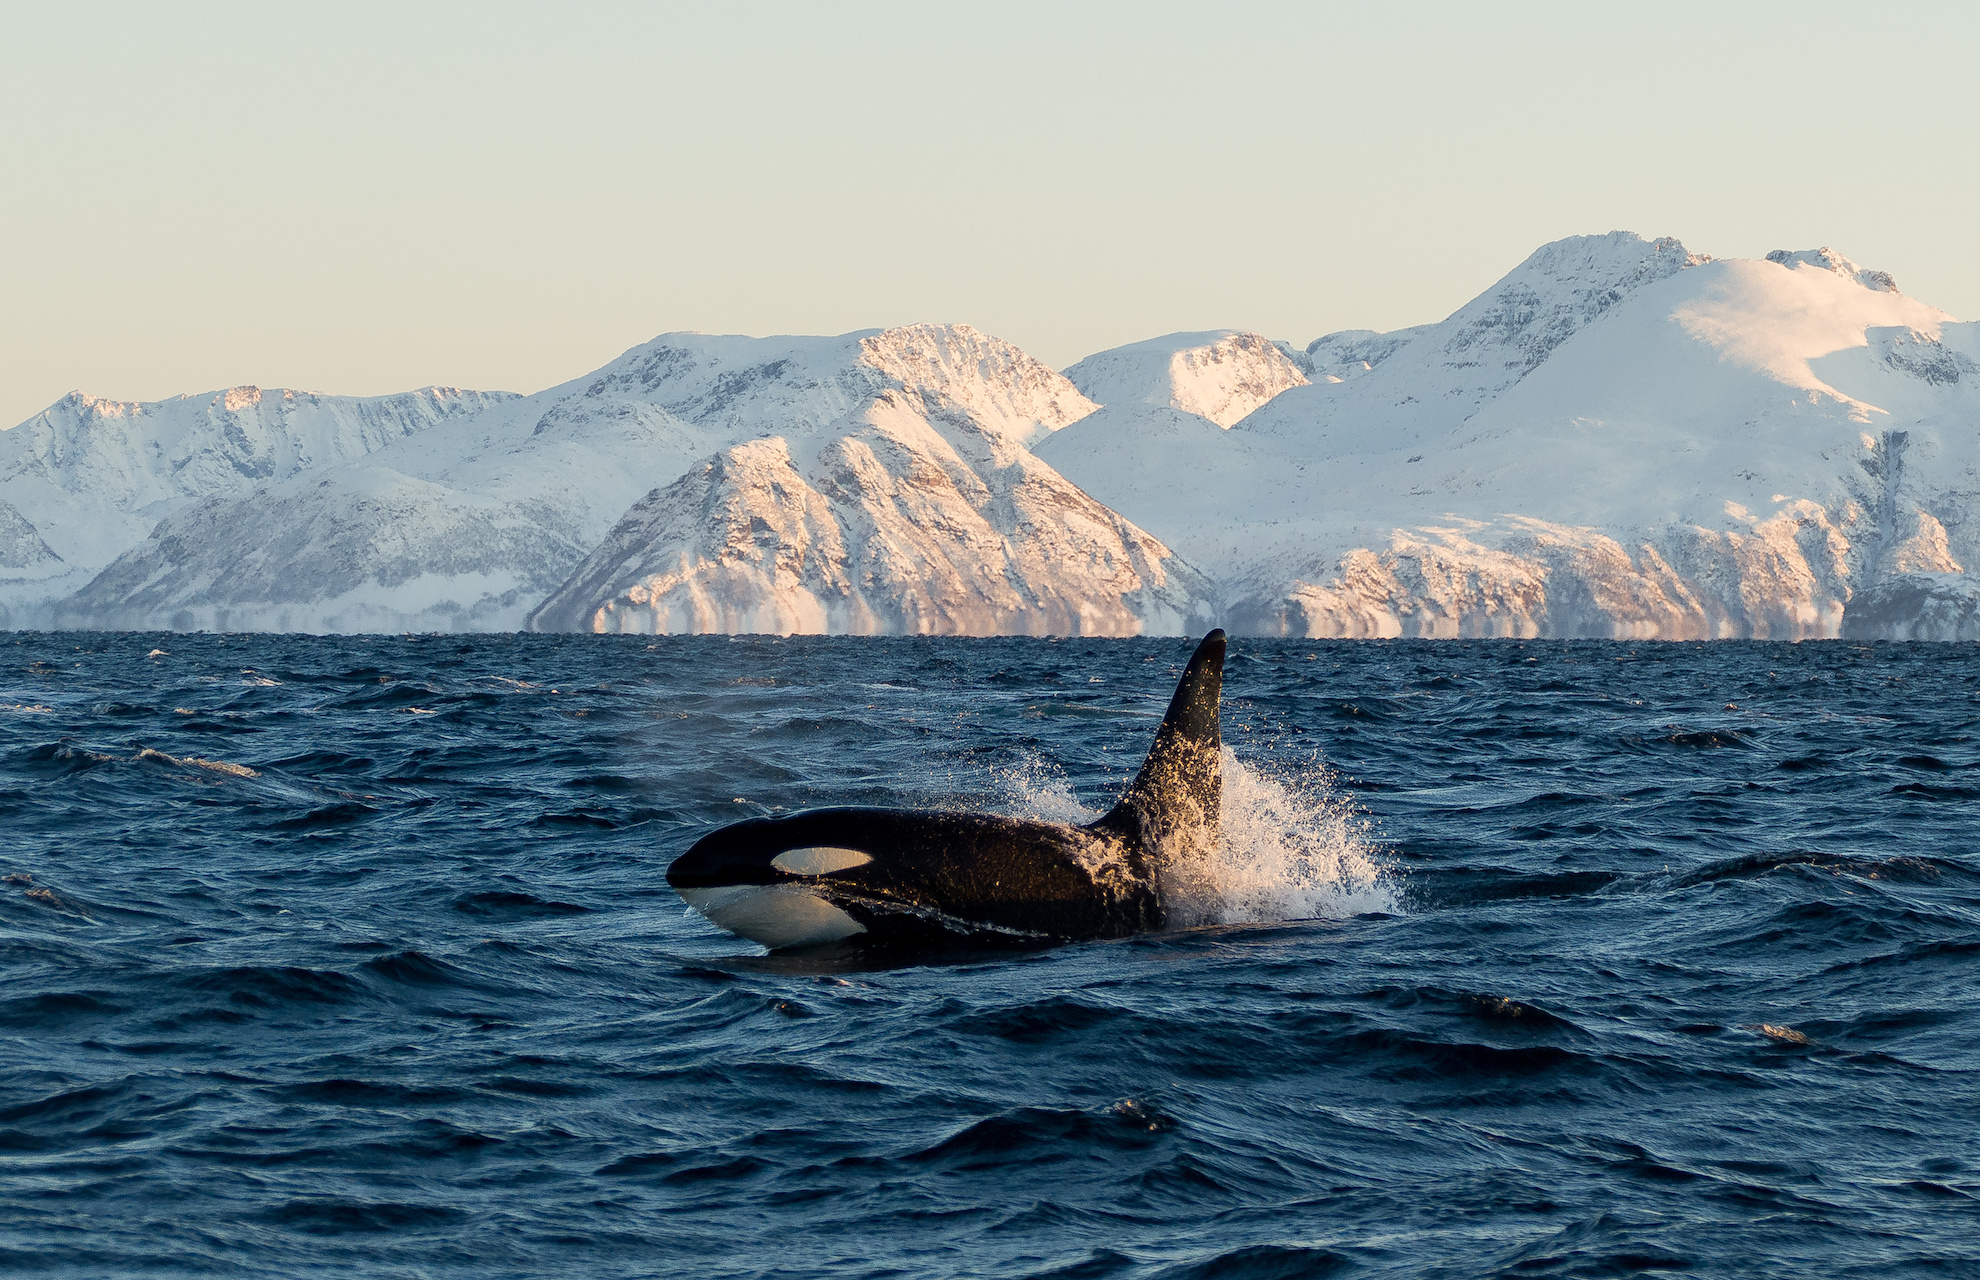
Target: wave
(345,1217)
(1728,985)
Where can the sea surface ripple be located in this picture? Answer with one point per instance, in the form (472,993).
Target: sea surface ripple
(355,956)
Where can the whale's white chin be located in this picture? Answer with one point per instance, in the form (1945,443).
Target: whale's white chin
(776,915)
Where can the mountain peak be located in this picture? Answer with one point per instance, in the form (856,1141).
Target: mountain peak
(1827,259)
(1624,251)
(1554,294)
(81,403)
(1010,394)
(1221,374)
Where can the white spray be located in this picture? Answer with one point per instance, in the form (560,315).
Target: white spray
(1290,848)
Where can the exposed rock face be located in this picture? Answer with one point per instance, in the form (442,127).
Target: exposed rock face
(1008,398)
(21,546)
(1784,579)
(1553,295)
(1924,356)
(1827,259)
(901,527)
(1336,357)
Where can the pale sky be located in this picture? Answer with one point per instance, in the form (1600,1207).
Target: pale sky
(365,198)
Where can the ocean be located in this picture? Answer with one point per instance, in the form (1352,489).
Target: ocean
(355,956)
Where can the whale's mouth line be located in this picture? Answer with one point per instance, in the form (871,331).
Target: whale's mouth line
(934,915)
(802,913)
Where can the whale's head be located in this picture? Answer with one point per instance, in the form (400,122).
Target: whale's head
(753,880)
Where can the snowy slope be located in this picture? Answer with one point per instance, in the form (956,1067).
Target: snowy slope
(474,528)
(1711,459)
(890,529)
(1445,372)
(85,454)
(86,479)
(1224,505)
(1220,376)
(919,512)
(1161,429)
(363,548)
(1620,438)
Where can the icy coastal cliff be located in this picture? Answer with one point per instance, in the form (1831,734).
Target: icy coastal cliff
(1620,438)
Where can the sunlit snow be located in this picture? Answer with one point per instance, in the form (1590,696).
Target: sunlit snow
(1620,438)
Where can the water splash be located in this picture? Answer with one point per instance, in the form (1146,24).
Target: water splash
(1290,847)
(1034,788)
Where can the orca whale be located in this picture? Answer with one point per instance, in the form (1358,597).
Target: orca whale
(895,876)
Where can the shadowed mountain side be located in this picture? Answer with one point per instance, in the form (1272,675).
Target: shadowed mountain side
(21,545)
(92,474)
(372,551)
(1916,606)
(88,478)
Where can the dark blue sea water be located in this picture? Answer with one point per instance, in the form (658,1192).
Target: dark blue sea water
(355,957)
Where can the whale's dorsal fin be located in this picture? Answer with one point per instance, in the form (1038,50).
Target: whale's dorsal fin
(1172,805)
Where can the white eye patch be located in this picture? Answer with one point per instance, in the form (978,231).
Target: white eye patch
(822,860)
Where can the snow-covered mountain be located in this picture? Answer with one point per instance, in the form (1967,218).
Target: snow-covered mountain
(86,479)
(887,530)
(1619,438)
(1166,406)
(1222,375)
(472,528)
(920,511)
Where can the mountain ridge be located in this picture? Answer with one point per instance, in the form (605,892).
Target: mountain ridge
(1619,437)
(478,527)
